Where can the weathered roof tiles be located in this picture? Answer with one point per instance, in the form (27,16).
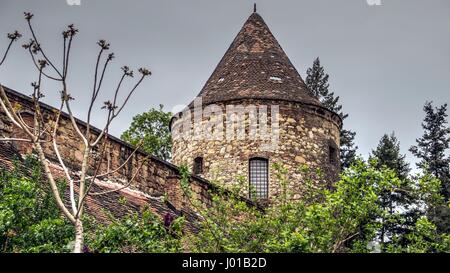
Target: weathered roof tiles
(255,67)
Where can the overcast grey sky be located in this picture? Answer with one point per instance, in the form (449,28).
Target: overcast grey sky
(384,61)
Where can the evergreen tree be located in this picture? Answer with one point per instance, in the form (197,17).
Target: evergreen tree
(431,149)
(348,148)
(317,80)
(397,204)
(317,83)
(388,154)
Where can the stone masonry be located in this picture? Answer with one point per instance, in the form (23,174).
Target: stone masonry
(255,72)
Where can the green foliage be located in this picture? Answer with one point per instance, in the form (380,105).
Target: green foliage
(29,219)
(424,238)
(401,204)
(431,149)
(345,219)
(432,146)
(388,155)
(152,128)
(317,82)
(348,148)
(142,232)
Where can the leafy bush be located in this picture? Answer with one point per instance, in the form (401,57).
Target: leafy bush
(345,219)
(138,233)
(31,222)
(29,218)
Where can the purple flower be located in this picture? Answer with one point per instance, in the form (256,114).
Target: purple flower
(168,219)
(86,249)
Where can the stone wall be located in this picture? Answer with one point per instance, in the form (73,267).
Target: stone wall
(307,136)
(156,177)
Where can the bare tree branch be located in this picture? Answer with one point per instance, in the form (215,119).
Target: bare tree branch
(126,185)
(28,47)
(71,32)
(112,106)
(120,167)
(61,162)
(28,17)
(96,89)
(14,36)
(10,112)
(15,139)
(83,197)
(45,127)
(52,182)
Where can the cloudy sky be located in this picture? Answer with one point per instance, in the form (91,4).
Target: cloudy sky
(384,60)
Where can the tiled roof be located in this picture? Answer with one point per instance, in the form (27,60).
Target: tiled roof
(256,67)
(127,201)
(117,203)
(8,153)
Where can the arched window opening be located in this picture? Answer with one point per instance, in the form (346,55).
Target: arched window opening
(198,165)
(259,178)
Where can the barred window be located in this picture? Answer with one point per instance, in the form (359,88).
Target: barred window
(259,178)
(198,165)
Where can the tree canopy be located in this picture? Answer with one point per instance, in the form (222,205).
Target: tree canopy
(152,128)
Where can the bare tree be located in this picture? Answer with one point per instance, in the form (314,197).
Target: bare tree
(45,127)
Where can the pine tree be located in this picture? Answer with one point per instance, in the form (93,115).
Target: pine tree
(348,148)
(431,148)
(388,154)
(317,80)
(317,83)
(397,204)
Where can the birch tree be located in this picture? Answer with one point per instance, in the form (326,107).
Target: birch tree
(43,130)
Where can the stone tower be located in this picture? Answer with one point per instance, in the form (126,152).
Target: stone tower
(255,110)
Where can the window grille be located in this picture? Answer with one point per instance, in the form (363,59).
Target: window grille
(259,178)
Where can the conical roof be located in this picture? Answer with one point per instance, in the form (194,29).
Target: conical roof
(255,67)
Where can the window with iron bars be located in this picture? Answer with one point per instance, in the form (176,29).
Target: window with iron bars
(259,178)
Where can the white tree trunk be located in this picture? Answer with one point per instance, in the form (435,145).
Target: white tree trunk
(79,237)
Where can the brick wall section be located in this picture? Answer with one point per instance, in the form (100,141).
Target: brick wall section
(156,178)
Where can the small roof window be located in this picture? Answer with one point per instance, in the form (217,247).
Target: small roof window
(275,79)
